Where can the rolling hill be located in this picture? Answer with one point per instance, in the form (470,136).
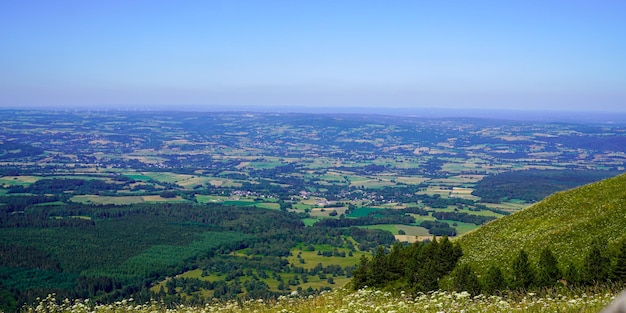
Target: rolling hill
(566,222)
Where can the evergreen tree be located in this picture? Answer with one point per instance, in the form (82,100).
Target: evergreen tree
(494,280)
(548,272)
(396,261)
(360,276)
(413,264)
(523,274)
(427,275)
(466,280)
(572,274)
(448,255)
(379,268)
(619,270)
(597,265)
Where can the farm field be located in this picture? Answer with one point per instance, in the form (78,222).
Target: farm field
(281,168)
(276,184)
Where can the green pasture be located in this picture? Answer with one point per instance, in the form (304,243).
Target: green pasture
(18,180)
(480,213)
(121,200)
(386,227)
(302,206)
(461,227)
(95,199)
(311,258)
(376,183)
(160,199)
(167,177)
(419,219)
(138,177)
(411,180)
(410,230)
(268,205)
(363,211)
(459,166)
(309,221)
(435,190)
(508,206)
(259,165)
(333,177)
(319,163)
(413,230)
(325,212)
(210,199)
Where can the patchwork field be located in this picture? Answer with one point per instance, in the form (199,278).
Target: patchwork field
(286,181)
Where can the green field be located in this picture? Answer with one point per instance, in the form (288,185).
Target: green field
(312,258)
(108,199)
(18,180)
(363,211)
(138,177)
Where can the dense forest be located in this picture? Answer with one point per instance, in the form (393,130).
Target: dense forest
(111,251)
(534,185)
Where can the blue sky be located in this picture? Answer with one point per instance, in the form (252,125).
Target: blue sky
(549,55)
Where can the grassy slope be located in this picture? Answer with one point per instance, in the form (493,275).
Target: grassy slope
(567,222)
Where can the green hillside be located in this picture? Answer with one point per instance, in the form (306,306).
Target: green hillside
(566,222)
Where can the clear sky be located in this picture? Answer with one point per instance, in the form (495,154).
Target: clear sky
(556,55)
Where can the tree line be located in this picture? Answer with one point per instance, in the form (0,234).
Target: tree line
(422,267)
(599,267)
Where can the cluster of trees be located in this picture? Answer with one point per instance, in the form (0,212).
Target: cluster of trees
(12,203)
(249,276)
(598,267)
(62,185)
(13,150)
(463,217)
(371,219)
(416,268)
(439,228)
(533,185)
(421,266)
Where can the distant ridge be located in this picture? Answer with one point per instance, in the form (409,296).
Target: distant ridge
(610,117)
(566,222)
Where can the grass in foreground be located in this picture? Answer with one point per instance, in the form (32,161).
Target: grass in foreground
(366,300)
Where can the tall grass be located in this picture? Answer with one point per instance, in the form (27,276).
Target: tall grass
(365,300)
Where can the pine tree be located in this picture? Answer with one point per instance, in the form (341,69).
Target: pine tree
(597,266)
(379,268)
(428,273)
(619,270)
(572,274)
(396,261)
(448,255)
(413,264)
(523,274)
(494,280)
(548,272)
(360,276)
(466,280)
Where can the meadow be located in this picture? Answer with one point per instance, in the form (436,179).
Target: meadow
(361,301)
